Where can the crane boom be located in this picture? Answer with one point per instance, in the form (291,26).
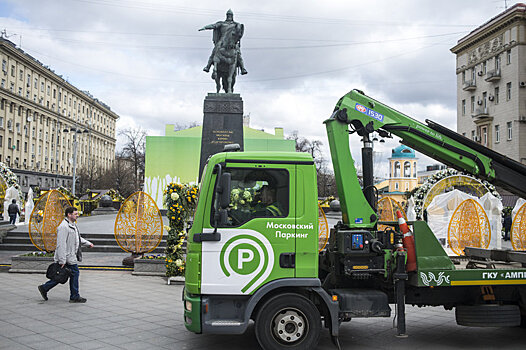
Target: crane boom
(361,114)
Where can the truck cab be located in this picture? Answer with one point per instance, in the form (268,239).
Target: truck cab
(255,233)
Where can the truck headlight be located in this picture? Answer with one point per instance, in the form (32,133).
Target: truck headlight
(188,305)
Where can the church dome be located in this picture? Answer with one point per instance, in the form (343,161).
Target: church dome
(402,151)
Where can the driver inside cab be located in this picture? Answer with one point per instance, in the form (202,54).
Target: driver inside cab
(268,205)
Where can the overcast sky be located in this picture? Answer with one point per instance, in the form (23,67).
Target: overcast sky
(145,58)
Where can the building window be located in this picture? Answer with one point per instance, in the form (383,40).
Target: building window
(42,86)
(396,186)
(3,83)
(473,135)
(1,140)
(510,130)
(4,66)
(463,107)
(9,142)
(497,62)
(472,104)
(407,186)
(36,83)
(484,100)
(497,133)
(508,57)
(414,170)
(496,95)
(396,169)
(25,147)
(484,67)
(18,144)
(484,135)
(407,169)
(13,71)
(48,90)
(508,91)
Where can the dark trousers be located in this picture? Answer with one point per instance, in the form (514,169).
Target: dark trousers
(12,219)
(73,282)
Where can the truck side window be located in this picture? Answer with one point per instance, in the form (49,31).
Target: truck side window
(257,193)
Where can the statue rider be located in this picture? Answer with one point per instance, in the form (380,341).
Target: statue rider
(220,28)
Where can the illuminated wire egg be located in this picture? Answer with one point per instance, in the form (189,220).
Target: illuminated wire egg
(323,229)
(387,208)
(518,229)
(469,227)
(139,225)
(3,188)
(45,218)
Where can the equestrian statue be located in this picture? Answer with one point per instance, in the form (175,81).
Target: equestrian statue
(226,55)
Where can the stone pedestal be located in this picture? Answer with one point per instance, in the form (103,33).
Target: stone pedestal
(149,267)
(222,124)
(30,264)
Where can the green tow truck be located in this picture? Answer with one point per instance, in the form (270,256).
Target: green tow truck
(252,252)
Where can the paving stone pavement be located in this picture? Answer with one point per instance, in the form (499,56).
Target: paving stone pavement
(139,312)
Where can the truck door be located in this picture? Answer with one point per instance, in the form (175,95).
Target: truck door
(257,243)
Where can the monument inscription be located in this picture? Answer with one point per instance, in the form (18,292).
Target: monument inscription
(222,124)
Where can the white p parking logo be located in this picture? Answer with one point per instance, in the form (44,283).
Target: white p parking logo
(243,256)
(248,259)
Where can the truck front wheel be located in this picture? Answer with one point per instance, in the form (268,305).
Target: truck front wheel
(288,321)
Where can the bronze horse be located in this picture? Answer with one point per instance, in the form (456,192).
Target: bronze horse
(226,59)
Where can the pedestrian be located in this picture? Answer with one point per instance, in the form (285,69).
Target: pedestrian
(13,211)
(507,227)
(68,253)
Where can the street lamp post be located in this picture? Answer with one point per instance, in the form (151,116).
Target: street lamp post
(75,131)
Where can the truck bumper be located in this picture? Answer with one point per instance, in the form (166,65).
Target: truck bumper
(192,312)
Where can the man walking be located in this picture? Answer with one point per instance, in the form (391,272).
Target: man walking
(13,211)
(68,253)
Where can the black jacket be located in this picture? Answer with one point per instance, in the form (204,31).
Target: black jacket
(13,209)
(507,223)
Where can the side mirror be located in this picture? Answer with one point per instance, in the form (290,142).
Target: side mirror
(224,190)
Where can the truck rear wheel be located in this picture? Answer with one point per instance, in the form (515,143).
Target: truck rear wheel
(288,321)
(490,315)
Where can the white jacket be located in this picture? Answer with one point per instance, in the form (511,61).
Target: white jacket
(68,243)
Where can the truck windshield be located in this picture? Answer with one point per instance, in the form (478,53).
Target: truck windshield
(257,193)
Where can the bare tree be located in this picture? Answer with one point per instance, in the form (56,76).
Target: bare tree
(310,146)
(134,151)
(325,177)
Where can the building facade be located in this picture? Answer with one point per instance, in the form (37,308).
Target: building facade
(491,83)
(43,118)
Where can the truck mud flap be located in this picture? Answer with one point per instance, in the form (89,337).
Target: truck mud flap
(362,302)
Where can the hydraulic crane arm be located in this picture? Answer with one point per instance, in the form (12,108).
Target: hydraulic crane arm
(358,113)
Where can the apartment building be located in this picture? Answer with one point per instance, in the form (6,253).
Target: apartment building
(491,83)
(43,118)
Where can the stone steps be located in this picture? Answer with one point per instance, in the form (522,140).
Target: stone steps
(103,242)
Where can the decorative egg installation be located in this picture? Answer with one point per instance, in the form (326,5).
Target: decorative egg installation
(387,208)
(139,225)
(469,227)
(45,218)
(323,229)
(518,229)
